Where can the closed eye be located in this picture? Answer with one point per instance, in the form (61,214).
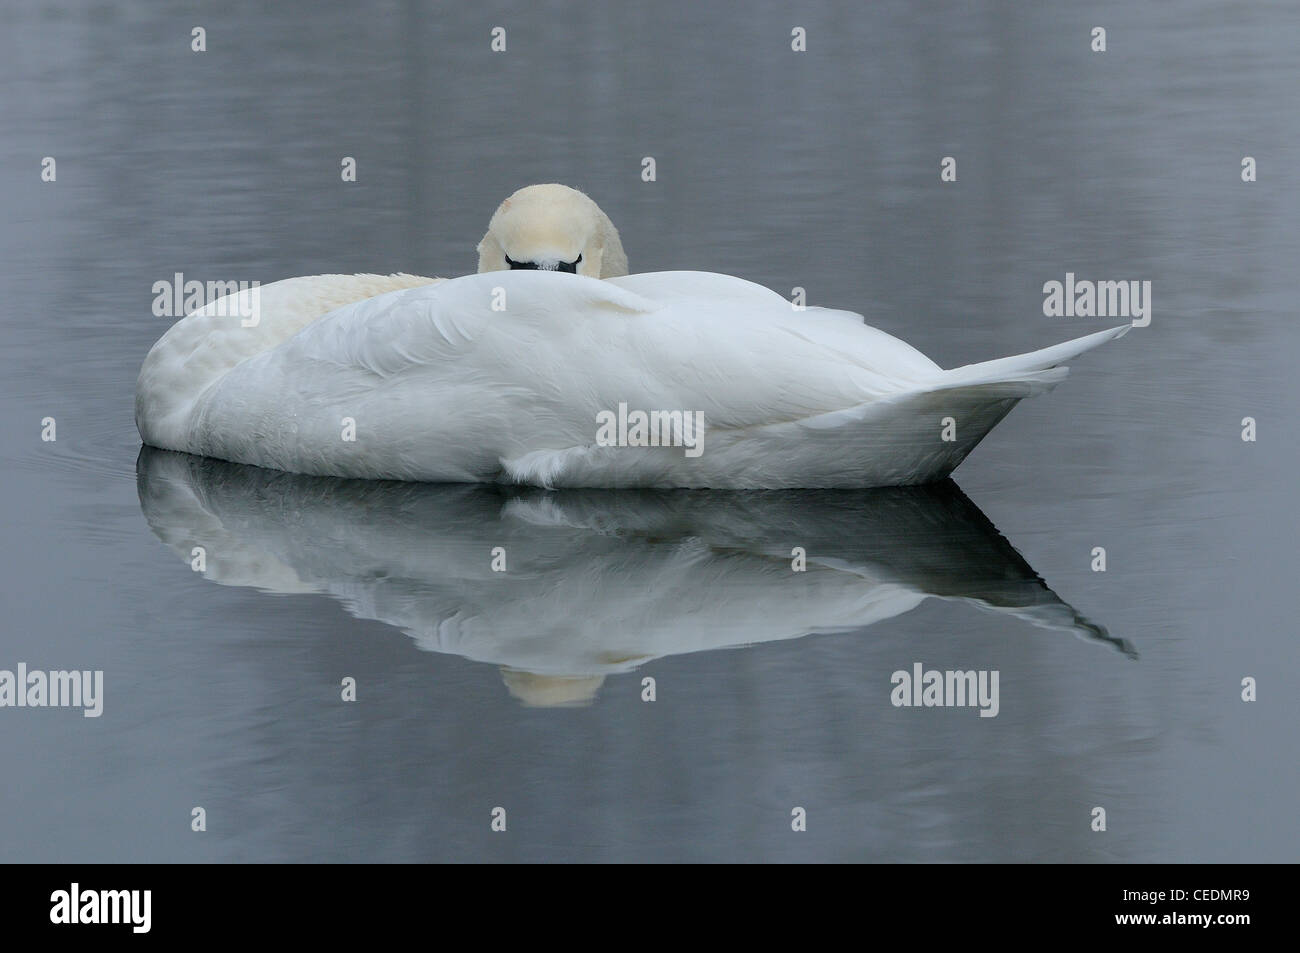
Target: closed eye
(567,266)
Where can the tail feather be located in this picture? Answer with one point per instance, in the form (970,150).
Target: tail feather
(1028,367)
(977,397)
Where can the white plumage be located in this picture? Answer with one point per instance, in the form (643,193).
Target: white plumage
(442,386)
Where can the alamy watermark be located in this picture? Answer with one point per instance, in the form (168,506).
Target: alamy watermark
(54,689)
(654,428)
(177,297)
(75,906)
(922,688)
(1081,298)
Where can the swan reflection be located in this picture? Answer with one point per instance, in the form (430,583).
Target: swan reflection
(596,582)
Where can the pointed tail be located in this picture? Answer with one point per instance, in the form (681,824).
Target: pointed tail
(1036,371)
(977,397)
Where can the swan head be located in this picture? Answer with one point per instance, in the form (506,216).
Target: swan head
(552,228)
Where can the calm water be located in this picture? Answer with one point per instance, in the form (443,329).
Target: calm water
(817,170)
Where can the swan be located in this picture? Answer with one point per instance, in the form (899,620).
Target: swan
(597,583)
(554,367)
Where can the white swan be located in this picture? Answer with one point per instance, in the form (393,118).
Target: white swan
(515,375)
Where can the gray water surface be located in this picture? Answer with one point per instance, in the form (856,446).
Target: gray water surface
(818,170)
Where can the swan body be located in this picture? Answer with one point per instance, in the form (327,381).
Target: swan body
(517,374)
(506,376)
